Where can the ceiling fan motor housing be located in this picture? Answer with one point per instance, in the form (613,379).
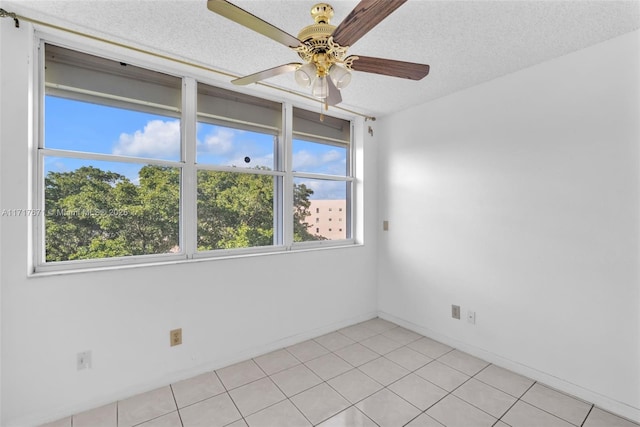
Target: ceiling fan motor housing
(317,46)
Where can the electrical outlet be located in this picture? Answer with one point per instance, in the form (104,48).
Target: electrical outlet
(385,225)
(455,311)
(83,360)
(471,317)
(175,337)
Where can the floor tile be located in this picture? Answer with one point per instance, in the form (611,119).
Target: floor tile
(328,366)
(282,414)
(319,403)
(357,354)
(559,404)
(255,396)
(505,380)
(454,412)
(442,375)
(524,415)
(402,335)
(307,350)
(381,344)
(295,380)
(104,416)
(429,347)
(276,361)
(463,362)
(387,409)
(64,422)
(424,420)
(408,358)
(172,419)
(485,397)
(216,411)
(334,341)
(198,388)
(383,370)
(240,374)
(599,418)
(351,417)
(146,406)
(418,391)
(379,325)
(354,385)
(358,332)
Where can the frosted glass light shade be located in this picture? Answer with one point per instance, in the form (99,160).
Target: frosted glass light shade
(320,88)
(340,76)
(305,74)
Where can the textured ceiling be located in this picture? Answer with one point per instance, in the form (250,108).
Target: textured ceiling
(465,42)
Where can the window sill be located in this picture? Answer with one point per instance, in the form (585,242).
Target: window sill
(57,270)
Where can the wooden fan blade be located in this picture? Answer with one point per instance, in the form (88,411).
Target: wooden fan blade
(366,15)
(335,97)
(265,74)
(390,67)
(242,17)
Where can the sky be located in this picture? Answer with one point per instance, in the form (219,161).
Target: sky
(80,126)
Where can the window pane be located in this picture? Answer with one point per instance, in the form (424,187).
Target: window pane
(93,128)
(235,210)
(314,157)
(223,146)
(320,210)
(97,209)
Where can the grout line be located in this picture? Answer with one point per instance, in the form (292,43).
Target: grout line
(176,402)
(588,413)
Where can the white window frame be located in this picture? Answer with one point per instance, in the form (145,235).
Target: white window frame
(283,198)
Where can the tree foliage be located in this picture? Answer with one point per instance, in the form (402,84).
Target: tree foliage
(93,213)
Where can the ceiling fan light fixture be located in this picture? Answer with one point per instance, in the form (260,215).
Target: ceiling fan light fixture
(320,88)
(340,76)
(305,74)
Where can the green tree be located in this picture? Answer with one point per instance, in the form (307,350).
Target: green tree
(98,214)
(301,203)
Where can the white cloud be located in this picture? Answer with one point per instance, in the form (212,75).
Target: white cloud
(158,139)
(331,162)
(325,190)
(219,142)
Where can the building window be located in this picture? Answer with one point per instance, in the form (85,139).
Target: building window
(129,174)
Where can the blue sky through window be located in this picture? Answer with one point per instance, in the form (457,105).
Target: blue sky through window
(92,128)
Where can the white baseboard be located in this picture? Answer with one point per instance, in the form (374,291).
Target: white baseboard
(599,400)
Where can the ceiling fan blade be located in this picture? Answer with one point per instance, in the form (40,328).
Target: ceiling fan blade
(366,15)
(242,17)
(265,74)
(390,67)
(335,97)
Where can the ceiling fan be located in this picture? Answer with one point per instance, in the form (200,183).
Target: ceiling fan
(323,47)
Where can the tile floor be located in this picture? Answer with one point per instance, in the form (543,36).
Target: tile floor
(371,374)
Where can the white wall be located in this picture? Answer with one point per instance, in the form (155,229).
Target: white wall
(229,310)
(518,199)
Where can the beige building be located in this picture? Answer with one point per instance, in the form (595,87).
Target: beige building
(328,218)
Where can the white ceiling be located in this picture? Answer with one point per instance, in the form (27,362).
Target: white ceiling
(465,42)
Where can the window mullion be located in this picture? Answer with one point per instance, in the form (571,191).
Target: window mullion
(287,193)
(188,211)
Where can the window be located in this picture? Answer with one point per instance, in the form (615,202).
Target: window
(127,173)
(110,159)
(237,170)
(322,167)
